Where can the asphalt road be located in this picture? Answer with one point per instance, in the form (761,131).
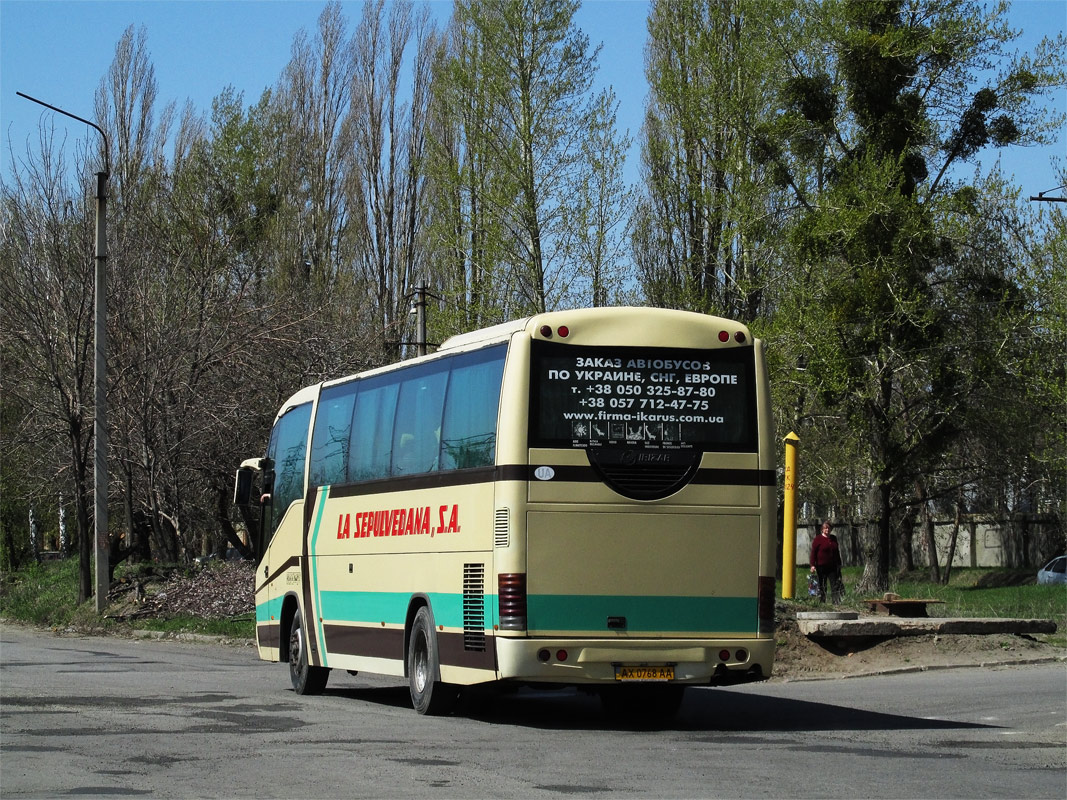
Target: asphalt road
(109,717)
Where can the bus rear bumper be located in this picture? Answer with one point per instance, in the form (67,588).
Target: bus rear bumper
(581,661)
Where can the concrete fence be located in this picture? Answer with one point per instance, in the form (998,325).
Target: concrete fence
(1020,542)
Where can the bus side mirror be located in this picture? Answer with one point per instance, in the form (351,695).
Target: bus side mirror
(242,492)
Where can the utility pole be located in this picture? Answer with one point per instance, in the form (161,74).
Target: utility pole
(103,550)
(420,320)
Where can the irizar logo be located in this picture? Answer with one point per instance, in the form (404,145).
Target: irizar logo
(632,458)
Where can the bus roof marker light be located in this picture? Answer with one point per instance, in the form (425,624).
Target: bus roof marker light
(724,336)
(563,331)
(740,337)
(546,331)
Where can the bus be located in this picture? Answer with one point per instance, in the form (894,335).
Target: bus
(581,498)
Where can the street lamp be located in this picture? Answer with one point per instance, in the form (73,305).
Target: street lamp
(99,369)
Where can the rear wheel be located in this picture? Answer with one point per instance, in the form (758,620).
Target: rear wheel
(306,678)
(428,694)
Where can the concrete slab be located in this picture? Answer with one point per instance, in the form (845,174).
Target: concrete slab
(915,626)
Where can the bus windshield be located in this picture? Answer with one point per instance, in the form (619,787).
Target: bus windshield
(653,398)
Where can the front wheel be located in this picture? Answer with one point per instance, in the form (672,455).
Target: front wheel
(306,678)
(428,695)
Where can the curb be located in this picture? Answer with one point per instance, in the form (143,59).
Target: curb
(1018,662)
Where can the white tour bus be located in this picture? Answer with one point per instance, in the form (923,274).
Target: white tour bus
(581,498)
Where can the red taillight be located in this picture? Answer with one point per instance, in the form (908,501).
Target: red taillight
(724,655)
(511,600)
(563,331)
(724,336)
(765,604)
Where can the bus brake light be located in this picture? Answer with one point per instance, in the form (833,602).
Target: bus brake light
(511,598)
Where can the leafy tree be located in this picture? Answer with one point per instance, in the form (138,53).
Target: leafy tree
(867,155)
(521,74)
(704,229)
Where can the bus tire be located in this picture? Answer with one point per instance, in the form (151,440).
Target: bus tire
(428,695)
(306,678)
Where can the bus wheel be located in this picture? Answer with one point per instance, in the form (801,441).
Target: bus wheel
(428,695)
(306,678)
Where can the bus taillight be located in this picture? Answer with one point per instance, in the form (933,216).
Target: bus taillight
(511,597)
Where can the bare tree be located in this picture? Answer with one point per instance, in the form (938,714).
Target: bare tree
(47,270)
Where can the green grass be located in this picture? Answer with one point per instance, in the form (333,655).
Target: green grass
(970,593)
(41,594)
(237,628)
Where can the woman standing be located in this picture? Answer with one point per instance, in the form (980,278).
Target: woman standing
(825,558)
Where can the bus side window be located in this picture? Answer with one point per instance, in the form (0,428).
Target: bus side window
(418,422)
(469,429)
(288,451)
(372,432)
(332,436)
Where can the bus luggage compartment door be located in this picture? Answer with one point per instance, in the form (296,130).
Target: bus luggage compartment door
(642,574)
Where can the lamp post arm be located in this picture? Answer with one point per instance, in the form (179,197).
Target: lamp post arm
(107,154)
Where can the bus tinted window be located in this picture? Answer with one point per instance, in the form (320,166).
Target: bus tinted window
(440,415)
(416,439)
(332,436)
(372,430)
(468,434)
(652,398)
(288,450)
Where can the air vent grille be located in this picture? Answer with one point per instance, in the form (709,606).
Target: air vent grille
(502,528)
(474,607)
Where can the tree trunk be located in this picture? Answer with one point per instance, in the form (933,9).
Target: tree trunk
(952,538)
(875,542)
(928,531)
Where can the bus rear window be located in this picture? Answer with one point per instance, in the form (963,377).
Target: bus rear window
(656,398)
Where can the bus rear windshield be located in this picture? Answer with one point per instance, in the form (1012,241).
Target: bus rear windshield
(654,398)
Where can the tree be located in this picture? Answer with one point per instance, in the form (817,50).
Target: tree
(604,206)
(521,74)
(47,269)
(704,229)
(867,159)
(388,182)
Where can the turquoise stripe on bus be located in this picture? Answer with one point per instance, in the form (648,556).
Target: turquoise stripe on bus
(271,608)
(392,607)
(317,523)
(560,612)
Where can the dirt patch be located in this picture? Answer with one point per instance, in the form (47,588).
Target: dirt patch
(799,657)
(216,590)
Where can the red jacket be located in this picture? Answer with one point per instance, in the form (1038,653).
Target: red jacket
(825,552)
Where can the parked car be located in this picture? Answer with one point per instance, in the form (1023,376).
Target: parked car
(1054,571)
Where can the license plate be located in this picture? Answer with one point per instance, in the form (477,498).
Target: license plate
(644,673)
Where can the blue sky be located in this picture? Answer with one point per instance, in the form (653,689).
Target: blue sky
(58,50)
